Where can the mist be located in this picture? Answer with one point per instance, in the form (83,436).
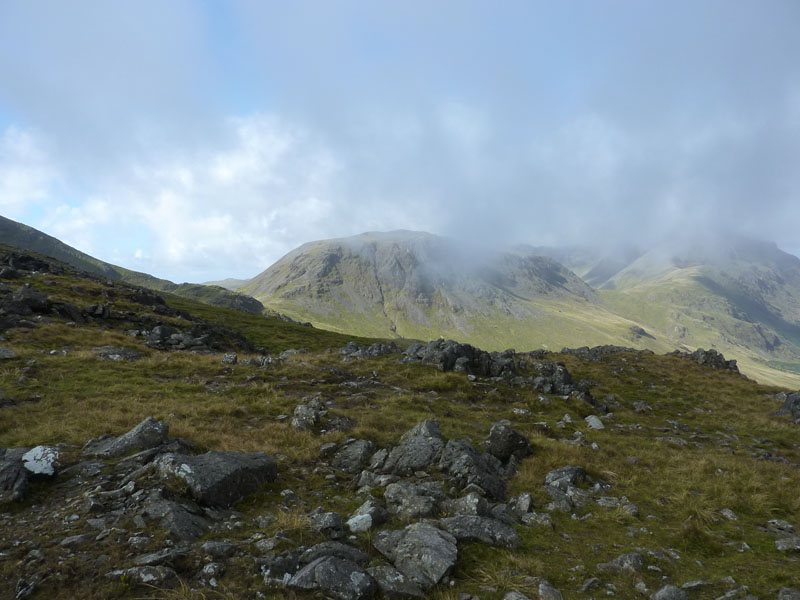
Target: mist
(200,141)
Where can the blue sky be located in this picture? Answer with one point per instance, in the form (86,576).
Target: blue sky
(200,140)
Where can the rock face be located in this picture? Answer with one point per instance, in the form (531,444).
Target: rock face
(421,552)
(220,478)
(147,434)
(337,578)
(419,448)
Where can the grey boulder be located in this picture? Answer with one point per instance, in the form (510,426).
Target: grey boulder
(423,553)
(789,544)
(159,577)
(394,585)
(147,434)
(471,528)
(413,501)
(353,456)
(220,478)
(337,578)
(504,442)
(670,592)
(467,466)
(419,448)
(13,475)
(565,476)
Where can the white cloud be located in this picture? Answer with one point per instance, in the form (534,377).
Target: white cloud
(27,174)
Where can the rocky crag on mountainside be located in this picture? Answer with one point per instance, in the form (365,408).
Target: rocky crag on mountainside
(139,457)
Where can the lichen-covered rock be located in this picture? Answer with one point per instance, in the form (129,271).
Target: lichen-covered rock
(368,515)
(471,528)
(504,442)
(328,524)
(337,578)
(565,476)
(220,478)
(422,552)
(413,501)
(394,585)
(147,434)
(42,460)
(337,549)
(670,592)
(467,466)
(419,448)
(353,456)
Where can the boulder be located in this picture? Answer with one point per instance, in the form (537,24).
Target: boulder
(353,456)
(42,460)
(670,592)
(419,448)
(328,524)
(787,593)
(413,501)
(147,434)
(789,544)
(220,478)
(179,521)
(473,528)
(565,476)
(336,578)
(504,442)
(471,504)
(791,405)
(116,353)
(7,353)
(394,585)
(467,466)
(421,552)
(13,475)
(368,515)
(336,549)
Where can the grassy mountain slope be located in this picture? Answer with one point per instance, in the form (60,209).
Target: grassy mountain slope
(738,296)
(706,462)
(27,238)
(417,285)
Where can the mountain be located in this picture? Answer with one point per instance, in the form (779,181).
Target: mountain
(27,238)
(418,285)
(732,294)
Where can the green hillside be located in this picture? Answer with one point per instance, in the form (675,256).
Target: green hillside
(27,238)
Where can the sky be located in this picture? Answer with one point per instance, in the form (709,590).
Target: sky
(198,140)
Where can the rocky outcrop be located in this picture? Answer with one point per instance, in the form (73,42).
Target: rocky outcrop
(147,434)
(708,358)
(220,478)
(447,355)
(419,448)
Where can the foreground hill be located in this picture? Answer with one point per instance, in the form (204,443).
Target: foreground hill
(417,285)
(27,238)
(438,472)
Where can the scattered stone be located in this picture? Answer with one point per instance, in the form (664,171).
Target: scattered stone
(670,592)
(167,556)
(780,527)
(229,359)
(504,442)
(548,592)
(308,416)
(42,460)
(787,593)
(729,514)
(467,466)
(789,544)
(220,478)
(368,515)
(423,553)
(219,549)
(471,504)
(147,434)
(337,578)
(394,585)
(7,353)
(419,448)
(413,501)
(160,577)
(328,524)
(594,422)
(633,562)
(515,595)
(353,456)
(565,476)
(473,528)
